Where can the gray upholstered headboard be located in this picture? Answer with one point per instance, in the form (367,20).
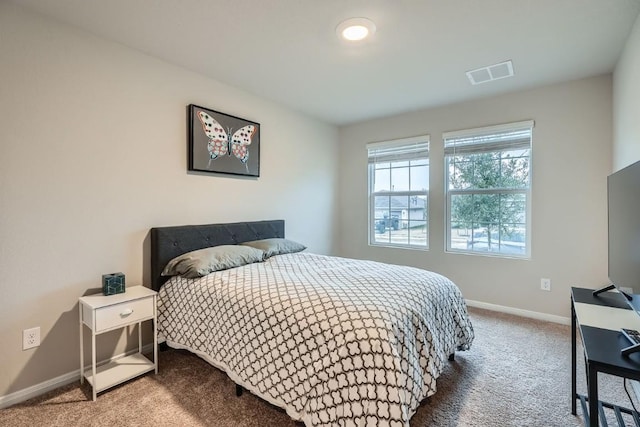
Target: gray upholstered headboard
(169,242)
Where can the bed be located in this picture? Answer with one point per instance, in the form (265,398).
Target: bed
(332,341)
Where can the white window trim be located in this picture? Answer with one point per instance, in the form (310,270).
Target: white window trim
(527,124)
(421,139)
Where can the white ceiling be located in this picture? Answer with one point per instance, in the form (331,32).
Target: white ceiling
(287,50)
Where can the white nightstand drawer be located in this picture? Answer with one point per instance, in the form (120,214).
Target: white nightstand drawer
(124,313)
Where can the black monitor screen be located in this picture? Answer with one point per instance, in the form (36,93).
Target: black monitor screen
(623,193)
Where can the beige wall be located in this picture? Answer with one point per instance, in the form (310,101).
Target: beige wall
(93,154)
(571,159)
(626,103)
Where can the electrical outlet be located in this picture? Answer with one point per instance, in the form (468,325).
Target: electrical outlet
(31,338)
(545,284)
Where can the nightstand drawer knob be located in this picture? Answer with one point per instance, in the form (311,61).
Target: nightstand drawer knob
(126,313)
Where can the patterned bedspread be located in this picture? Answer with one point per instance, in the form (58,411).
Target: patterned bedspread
(333,341)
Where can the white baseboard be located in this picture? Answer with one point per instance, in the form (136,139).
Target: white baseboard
(38,389)
(62,380)
(519,312)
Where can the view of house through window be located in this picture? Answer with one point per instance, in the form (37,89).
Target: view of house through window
(488,189)
(399,192)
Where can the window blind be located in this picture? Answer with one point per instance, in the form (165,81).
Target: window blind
(414,148)
(513,136)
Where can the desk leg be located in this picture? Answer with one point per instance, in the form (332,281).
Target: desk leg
(573,359)
(593,396)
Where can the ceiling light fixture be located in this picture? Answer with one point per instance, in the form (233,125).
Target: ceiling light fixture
(356,29)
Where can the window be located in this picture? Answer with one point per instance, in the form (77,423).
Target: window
(399,192)
(488,191)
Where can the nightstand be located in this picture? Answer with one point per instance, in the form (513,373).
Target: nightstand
(104,313)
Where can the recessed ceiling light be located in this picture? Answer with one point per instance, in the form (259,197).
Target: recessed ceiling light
(355,29)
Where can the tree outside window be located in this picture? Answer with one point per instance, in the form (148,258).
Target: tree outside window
(488,191)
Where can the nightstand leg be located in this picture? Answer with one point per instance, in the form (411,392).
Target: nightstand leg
(139,337)
(155,341)
(93,365)
(573,359)
(81,347)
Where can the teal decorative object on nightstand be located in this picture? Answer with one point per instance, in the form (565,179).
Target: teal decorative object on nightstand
(113,283)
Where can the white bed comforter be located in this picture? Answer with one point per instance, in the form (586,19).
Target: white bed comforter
(333,341)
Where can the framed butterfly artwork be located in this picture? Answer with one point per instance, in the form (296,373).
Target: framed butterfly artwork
(220,143)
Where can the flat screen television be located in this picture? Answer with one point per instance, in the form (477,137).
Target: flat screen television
(623,199)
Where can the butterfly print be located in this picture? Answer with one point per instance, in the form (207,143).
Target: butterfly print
(222,142)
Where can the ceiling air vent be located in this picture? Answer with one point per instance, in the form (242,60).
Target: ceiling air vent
(490,73)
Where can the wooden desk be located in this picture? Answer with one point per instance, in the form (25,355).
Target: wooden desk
(600,320)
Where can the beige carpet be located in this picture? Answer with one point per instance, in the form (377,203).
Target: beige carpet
(518,373)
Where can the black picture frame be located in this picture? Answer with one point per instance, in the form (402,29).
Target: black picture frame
(222,143)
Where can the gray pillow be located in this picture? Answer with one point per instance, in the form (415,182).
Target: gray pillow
(204,261)
(276,246)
